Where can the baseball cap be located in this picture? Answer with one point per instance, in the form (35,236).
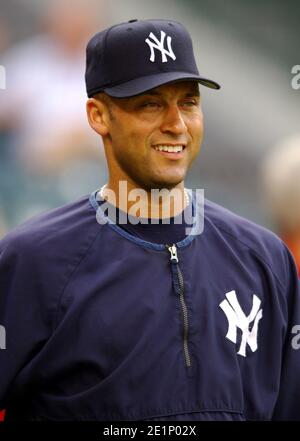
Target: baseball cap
(131,58)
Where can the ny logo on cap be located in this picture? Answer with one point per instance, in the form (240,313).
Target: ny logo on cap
(159,45)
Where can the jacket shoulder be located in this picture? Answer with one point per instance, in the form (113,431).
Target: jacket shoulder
(61,228)
(242,233)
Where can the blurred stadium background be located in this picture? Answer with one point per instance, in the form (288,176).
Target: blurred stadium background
(48,154)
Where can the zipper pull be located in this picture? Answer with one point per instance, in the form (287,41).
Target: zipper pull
(173,252)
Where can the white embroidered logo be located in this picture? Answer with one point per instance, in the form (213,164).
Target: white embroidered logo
(237,319)
(159,45)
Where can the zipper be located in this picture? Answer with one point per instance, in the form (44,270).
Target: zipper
(174,261)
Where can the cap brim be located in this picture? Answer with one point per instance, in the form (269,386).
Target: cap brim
(143,84)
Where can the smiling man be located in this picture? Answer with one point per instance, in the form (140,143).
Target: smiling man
(150,140)
(137,317)
(142,81)
(162,130)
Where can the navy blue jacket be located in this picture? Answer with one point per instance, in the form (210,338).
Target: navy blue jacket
(101,325)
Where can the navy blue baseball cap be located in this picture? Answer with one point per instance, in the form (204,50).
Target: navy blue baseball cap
(133,57)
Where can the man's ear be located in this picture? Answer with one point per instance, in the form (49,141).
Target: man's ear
(98,116)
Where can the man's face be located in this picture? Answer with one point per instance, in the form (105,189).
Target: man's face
(168,117)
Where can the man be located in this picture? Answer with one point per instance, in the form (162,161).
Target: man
(114,320)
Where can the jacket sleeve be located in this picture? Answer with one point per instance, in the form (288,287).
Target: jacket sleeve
(288,402)
(25,317)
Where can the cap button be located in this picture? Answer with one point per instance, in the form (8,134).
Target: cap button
(132,20)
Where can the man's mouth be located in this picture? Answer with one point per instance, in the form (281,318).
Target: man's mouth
(170,151)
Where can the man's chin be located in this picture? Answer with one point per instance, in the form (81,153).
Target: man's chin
(170,183)
(160,181)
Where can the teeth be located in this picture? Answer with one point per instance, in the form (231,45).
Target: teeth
(169,148)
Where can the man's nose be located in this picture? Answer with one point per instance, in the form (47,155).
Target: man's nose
(173,121)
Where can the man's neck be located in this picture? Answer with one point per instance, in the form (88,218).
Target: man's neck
(138,202)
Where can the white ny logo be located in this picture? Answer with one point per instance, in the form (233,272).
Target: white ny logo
(159,45)
(237,319)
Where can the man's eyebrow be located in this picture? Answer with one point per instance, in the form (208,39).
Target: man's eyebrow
(189,94)
(192,94)
(151,92)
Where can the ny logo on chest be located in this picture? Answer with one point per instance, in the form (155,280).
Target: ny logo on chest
(237,319)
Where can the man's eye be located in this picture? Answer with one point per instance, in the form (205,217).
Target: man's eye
(150,104)
(190,103)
